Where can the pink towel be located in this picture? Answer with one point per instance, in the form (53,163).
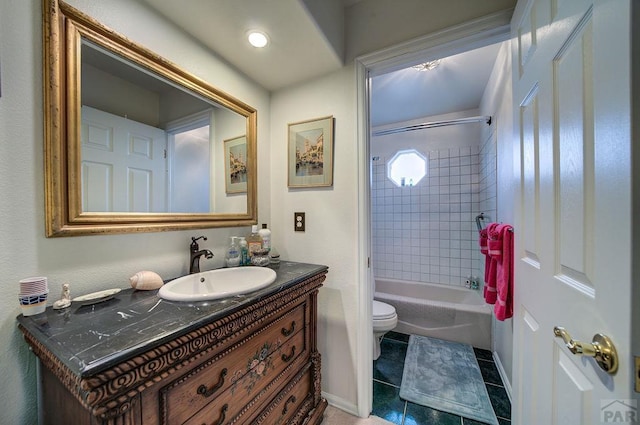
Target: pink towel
(491,266)
(501,248)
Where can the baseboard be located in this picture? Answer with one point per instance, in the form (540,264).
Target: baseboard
(341,403)
(503,375)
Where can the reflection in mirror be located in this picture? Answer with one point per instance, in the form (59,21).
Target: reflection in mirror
(149,145)
(133,143)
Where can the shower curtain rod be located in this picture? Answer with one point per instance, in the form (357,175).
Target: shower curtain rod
(485,118)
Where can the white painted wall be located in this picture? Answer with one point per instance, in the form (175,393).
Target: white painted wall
(329,16)
(109,93)
(331,228)
(88,263)
(227,125)
(497,101)
(190,162)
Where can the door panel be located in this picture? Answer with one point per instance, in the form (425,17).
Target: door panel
(528,368)
(530,176)
(571,86)
(526,37)
(97,186)
(124,163)
(140,189)
(573,113)
(573,392)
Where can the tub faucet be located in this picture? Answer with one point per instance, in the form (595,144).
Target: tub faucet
(196,253)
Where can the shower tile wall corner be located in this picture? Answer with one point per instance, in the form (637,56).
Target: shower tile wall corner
(427,233)
(488,184)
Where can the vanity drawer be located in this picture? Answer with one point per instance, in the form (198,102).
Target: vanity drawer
(238,372)
(253,387)
(286,404)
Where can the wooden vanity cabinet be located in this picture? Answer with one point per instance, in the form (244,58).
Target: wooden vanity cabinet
(257,365)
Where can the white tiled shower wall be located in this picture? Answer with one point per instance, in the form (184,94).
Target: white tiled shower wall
(487,188)
(427,233)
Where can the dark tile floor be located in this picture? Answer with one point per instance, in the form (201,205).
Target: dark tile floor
(387,376)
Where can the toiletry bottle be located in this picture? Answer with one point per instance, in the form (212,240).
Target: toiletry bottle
(244,252)
(233,254)
(254,241)
(265,234)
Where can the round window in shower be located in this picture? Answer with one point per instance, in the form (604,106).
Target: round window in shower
(407,168)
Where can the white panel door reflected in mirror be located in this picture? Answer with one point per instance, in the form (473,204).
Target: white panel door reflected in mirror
(164,152)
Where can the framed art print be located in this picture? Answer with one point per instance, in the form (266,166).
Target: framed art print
(235,165)
(310,155)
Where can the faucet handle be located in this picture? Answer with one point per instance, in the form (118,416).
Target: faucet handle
(194,242)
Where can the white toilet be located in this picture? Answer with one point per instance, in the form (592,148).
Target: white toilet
(384,320)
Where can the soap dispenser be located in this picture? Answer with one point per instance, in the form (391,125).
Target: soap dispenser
(233,254)
(244,252)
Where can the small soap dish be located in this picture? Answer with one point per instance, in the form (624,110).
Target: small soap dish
(96,297)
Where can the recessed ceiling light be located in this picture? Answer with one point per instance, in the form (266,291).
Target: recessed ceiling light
(257,38)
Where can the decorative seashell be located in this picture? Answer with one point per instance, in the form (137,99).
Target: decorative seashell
(145,281)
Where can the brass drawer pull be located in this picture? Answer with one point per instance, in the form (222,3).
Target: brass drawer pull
(287,332)
(223,415)
(291,399)
(203,391)
(290,356)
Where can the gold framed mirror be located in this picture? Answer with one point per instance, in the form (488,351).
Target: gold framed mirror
(133,143)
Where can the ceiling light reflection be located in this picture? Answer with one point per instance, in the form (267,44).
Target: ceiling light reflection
(427,66)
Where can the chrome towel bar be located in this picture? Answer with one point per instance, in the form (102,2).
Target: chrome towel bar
(479,218)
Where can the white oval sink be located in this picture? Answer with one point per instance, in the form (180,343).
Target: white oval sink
(216,284)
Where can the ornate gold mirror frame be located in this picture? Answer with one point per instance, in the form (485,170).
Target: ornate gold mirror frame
(64,28)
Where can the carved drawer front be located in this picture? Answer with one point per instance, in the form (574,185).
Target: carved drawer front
(237,375)
(255,386)
(288,401)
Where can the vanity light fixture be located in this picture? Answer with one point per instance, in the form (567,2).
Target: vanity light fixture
(257,39)
(427,66)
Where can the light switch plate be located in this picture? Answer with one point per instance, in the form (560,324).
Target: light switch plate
(298,222)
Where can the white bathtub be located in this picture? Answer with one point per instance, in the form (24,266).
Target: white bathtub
(440,311)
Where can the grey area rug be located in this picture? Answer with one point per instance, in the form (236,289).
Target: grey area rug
(445,376)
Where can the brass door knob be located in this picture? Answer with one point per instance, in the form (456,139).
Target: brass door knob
(601,348)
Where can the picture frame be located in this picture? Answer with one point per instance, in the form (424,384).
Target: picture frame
(310,153)
(235,165)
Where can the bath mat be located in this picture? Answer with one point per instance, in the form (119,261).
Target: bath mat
(445,376)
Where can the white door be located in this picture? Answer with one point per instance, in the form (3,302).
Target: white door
(123,164)
(571,73)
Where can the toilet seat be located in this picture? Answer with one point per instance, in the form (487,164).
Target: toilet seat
(383,311)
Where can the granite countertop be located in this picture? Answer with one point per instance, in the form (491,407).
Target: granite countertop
(91,338)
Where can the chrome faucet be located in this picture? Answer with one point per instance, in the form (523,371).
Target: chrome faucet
(196,253)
